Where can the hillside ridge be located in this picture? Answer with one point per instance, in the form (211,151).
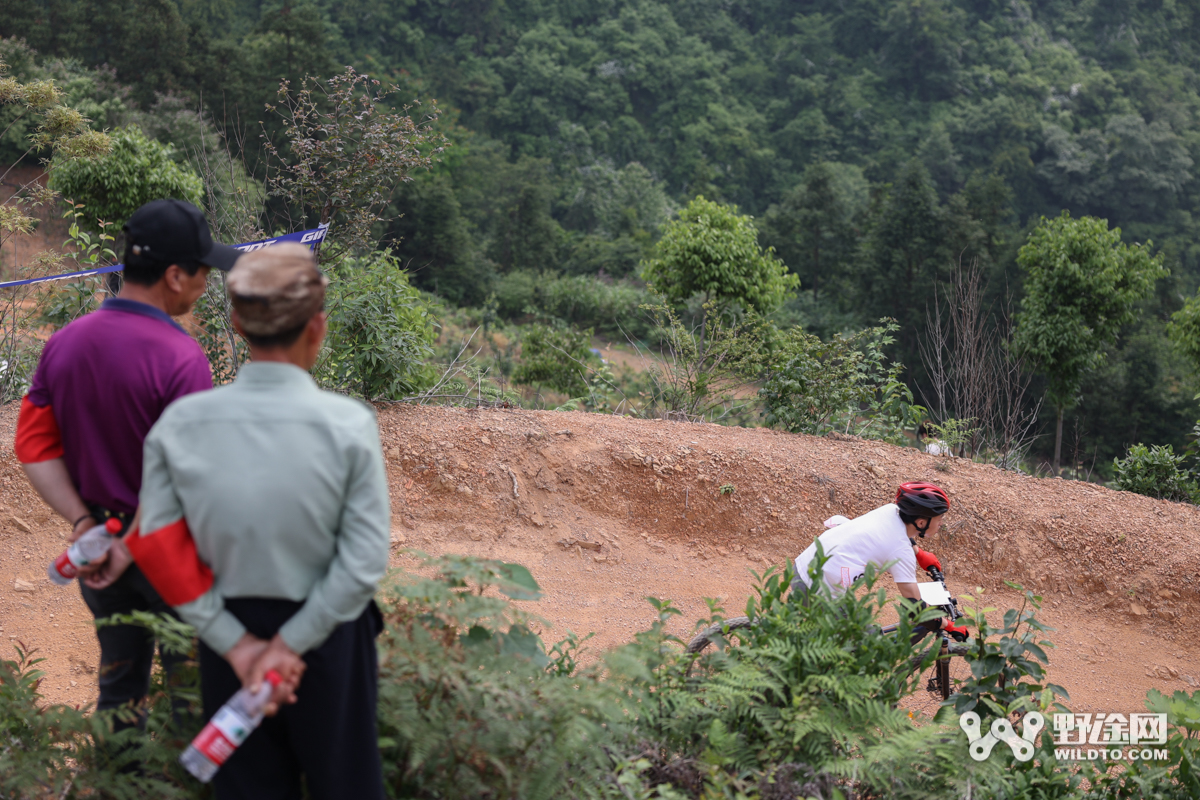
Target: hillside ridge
(509,470)
(607,511)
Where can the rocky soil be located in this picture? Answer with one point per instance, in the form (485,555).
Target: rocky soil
(606,511)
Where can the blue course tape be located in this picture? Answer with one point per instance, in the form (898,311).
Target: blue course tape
(312,237)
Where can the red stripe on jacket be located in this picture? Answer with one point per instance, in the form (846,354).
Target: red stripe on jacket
(169,560)
(38,438)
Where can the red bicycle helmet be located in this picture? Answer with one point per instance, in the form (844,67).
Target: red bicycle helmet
(918,499)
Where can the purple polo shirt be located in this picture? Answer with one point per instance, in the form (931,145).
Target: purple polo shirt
(108,376)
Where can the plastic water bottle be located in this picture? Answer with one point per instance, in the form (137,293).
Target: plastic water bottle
(87,549)
(228,729)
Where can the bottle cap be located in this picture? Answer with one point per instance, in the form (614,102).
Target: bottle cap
(113,525)
(273,677)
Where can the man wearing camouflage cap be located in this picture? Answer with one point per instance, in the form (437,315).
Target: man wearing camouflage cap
(276,491)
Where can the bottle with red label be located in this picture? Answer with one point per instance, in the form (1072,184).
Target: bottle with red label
(228,729)
(87,549)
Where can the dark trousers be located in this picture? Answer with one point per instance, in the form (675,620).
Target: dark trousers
(328,735)
(127,651)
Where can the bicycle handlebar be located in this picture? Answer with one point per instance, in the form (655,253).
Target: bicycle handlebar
(939,576)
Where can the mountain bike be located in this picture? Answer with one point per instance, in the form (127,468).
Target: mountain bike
(947,672)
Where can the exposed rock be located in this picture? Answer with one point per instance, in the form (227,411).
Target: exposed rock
(568,543)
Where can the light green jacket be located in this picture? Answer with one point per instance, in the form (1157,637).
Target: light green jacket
(283,488)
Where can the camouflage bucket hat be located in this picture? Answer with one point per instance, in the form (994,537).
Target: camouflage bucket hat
(276,289)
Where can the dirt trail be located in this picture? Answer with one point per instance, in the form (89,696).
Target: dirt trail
(606,511)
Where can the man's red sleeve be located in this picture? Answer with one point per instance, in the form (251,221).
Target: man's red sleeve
(169,560)
(38,438)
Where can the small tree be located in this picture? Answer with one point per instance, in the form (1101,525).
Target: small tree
(381,331)
(846,383)
(33,112)
(713,251)
(704,370)
(1184,330)
(344,156)
(557,358)
(1081,285)
(135,171)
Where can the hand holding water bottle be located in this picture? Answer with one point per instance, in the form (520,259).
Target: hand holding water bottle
(252,658)
(228,729)
(89,549)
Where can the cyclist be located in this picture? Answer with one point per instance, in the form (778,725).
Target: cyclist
(887,538)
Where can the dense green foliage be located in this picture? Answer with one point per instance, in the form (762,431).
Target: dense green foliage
(876,143)
(1175,778)
(64,751)
(555,358)
(798,689)
(472,703)
(380,331)
(1184,329)
(135,171)
(845,384)
(713,252)
(585,301)
(1156,472)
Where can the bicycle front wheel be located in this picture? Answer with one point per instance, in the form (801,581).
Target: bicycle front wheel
(940,681)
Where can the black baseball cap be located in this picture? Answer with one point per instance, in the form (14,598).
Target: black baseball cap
(175,231)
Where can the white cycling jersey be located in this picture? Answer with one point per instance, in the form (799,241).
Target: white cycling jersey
(878,537)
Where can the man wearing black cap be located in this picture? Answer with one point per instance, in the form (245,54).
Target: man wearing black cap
(101,383)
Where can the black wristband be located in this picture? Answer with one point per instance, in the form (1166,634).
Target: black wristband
(75,524)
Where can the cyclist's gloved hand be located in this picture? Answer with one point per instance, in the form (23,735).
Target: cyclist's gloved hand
(926,559)
(959,633)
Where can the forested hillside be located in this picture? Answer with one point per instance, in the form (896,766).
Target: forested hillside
(876,142)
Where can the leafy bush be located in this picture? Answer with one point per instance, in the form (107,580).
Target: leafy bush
(1006,674)
(516,293)
(380,331)
(1156,472)
(1175,778)
(59,303)
(135,171)
(703,370)
(844,384)
(470,703)
(814,686)
(61,751)
(952,434)
(556,358)
(713,251)
(580,300)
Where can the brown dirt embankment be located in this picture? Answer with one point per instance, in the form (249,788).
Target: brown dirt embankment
(606,511)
